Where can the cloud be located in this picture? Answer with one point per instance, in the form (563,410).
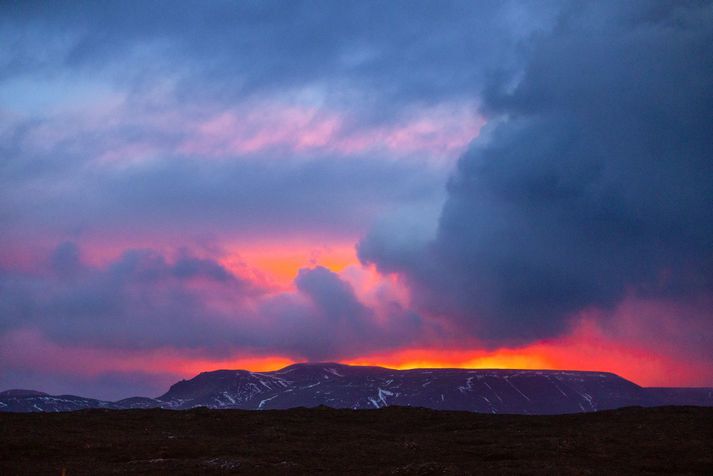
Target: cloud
(139,300)
(249,197)
(65,259)
(592,183)
(144,300)
(393,54)
(237,119)
(334,297)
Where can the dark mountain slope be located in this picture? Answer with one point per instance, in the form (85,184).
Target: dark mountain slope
(356,387)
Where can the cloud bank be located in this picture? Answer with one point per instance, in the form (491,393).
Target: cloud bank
(592,184)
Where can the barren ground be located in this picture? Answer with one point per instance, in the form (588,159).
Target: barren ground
(386,441)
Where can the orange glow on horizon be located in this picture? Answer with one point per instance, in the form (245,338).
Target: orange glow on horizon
(642,366)
(279,263)
(586,349)
(464,359)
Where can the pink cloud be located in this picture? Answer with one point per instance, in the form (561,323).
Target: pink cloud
(441,132)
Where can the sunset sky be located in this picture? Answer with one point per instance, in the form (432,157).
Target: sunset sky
(187,186)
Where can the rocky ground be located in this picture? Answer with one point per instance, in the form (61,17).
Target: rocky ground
(386,441)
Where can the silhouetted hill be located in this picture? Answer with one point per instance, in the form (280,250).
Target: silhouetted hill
(359,387)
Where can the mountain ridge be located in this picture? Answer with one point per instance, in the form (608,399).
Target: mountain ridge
(514,391)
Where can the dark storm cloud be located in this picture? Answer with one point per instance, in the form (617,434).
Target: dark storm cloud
(594,180)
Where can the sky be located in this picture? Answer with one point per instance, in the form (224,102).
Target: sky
(188,186)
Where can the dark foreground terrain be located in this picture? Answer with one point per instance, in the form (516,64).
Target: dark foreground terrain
(392,440)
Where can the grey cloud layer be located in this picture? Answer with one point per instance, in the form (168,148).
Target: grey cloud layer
(246,197)
(391,52)
(594,182)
